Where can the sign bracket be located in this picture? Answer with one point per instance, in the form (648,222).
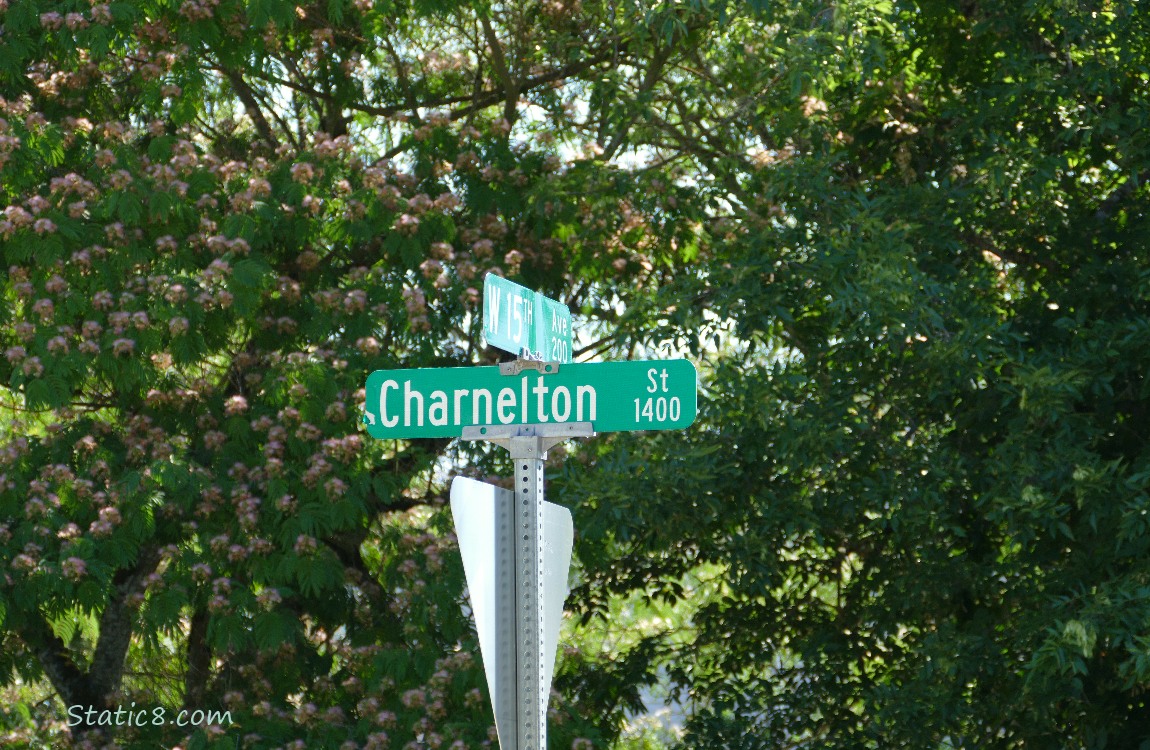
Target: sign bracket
(529,440)
(516,366)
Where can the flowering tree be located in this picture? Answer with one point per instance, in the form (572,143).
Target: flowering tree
(217,218)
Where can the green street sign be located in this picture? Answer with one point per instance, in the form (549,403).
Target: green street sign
(525,323)
(612,396)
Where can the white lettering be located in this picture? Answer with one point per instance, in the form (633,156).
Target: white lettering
(459,394)
(579,392)
(475,395)
(518,308)
(408,395)
(561,415)
(507,401)
(438,403)
(383,404)
(540,390)
(651,376)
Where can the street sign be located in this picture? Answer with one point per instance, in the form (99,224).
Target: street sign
(612,396)
(516,547)
(516,588)
(525,323)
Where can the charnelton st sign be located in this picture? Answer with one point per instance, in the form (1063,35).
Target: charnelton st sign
(612,396)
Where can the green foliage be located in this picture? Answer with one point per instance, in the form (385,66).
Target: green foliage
(927,471)
(905,243)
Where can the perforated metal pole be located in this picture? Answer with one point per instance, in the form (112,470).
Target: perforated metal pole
(531,726)
(521,530)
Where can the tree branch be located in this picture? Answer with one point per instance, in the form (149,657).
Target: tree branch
(116,622)
(199,659)
(244,92)
(499,62)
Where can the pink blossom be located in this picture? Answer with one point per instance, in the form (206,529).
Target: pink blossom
(335,488)
(377,741)
(55,285)
(447,202)
(235,405)
(308,260)
(302,172)
(18,216)
(33,367)
(482,248)
(73,568)
(368,345)
(269,597)
(44,308)
(419,203)
(123,346)
(414,300)
(119,320)
(259,187)
(406,224)
(355,301)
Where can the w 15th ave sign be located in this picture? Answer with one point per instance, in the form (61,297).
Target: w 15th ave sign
(524,322)
(612,396)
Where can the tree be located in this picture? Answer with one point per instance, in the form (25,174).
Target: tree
(218,218)
(921,466)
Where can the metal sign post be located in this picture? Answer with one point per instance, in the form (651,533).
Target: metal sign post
(538,563)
